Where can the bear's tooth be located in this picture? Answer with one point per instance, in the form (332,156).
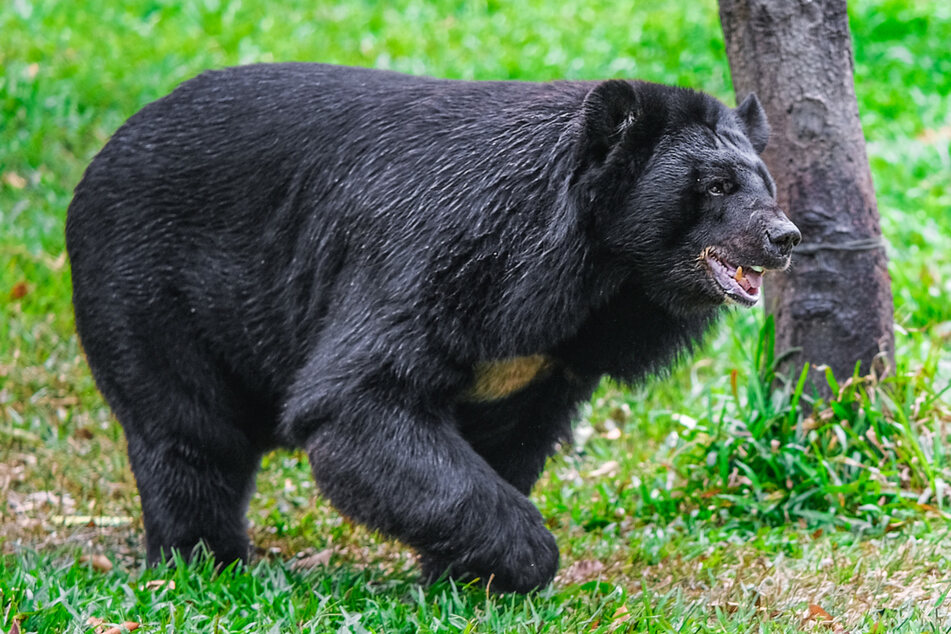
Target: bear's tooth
(739,274)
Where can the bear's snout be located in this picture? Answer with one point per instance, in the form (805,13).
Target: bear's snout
(782,235)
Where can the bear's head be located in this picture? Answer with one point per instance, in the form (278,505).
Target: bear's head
(677,195)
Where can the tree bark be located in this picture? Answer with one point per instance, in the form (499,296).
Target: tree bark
(834,305)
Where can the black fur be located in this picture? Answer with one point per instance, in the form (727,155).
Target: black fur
(318,256)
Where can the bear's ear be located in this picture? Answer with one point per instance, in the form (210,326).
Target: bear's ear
(753,118)
(608,110)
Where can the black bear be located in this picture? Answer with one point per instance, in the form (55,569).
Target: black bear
(417,280)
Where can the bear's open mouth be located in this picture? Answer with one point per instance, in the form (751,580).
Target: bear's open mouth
(739,283)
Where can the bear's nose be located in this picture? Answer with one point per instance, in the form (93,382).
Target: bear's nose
(784,236)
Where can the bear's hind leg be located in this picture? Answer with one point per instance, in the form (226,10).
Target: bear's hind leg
(195,489)
(187,427)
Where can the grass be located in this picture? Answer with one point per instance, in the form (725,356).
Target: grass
(706,501)
(894,584)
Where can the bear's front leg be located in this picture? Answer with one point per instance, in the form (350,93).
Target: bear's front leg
(408,473)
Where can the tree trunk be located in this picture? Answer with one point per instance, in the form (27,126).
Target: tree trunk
(834,305)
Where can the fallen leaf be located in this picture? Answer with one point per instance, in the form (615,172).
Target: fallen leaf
(312,561)
(933,136)
(128,626)
(14,180)
(99,563)
(19,290)
(894,526)
(619,618)
(581,571)
(605,469)
(612,434)
(84,433)
(823,618)
(155,584)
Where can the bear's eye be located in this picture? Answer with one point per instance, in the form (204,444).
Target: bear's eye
(719,188)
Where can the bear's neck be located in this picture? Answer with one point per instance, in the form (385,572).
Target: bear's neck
(553,284)
(631,336)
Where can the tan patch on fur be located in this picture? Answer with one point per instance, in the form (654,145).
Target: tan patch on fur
(495,380)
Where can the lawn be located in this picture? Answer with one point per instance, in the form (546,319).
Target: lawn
(703,501)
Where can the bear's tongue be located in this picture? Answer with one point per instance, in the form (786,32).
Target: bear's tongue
(749,279)
(743,284)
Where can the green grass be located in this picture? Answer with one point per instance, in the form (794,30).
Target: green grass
(732,584)
(705,501)
(759,585)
